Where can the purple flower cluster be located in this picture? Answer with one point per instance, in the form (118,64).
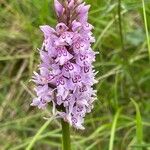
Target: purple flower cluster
(66,74)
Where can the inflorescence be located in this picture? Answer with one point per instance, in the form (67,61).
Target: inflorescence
(66,75)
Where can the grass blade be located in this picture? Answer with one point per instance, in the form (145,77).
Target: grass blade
(113,129)
(139,127)
(146,26)
(29,147)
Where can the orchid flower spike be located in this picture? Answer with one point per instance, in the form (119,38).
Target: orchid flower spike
(66,76)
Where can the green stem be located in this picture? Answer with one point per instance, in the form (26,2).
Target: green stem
(146,26)
(35,138)
(66,144)
(120,25)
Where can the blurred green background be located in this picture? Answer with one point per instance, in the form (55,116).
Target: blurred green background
(120,119)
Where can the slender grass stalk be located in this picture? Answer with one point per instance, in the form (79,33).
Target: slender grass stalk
(66,143)
(120,24)
(146,27)
(139,126)
(35,138)
(116,92)
(6,58)
(113,129)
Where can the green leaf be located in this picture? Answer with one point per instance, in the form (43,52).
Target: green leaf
(139,126)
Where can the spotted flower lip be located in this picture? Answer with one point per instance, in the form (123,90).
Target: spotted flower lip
(66,75)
